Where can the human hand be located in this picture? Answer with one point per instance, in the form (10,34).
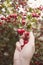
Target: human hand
(23,56)
(28,50)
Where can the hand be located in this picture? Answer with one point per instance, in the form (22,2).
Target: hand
(23,57)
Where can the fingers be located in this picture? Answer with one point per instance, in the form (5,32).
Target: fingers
(18,46)
(31,38)
(21,41)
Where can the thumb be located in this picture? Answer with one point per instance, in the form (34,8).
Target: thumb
(21,41)
(31,38)
(18,46)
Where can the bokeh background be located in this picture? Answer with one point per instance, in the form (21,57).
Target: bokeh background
(8,37)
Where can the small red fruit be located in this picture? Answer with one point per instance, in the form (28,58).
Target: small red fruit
(0,23)
(5,19)
(25,42)
(25,37)
(24,14)
(36,62)
(23,22)
(26,33)
(35,15)
(20,31)
(17,6)
(13,15)
(23,3)
(40,8)
(2,18)
(8,18)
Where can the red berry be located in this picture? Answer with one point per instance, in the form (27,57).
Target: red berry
(2,18)
(8,18)
(36,62)
(23,3)
(13,15)
(24,14)
(23,22)
(40,8)
(25,37)
(26,33)
(20,31)
(35,15)
(5,19)
(25,42)
(22,46)
(17,6)
(0,23)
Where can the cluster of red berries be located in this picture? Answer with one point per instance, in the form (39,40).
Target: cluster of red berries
(0,23)
(13,18)
(40,8)
(25,36)
(23,22)
(22,3)
(8,18)
(35,15)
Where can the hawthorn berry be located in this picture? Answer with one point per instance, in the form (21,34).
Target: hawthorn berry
(23,22)
(2,18)
(40,8)
(20,31)
(35,15)
(13,15)
(25,38)
(0,23)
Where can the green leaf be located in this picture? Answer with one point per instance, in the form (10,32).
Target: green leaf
(28,26)
(29,17)
(30,9)
(33,20)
